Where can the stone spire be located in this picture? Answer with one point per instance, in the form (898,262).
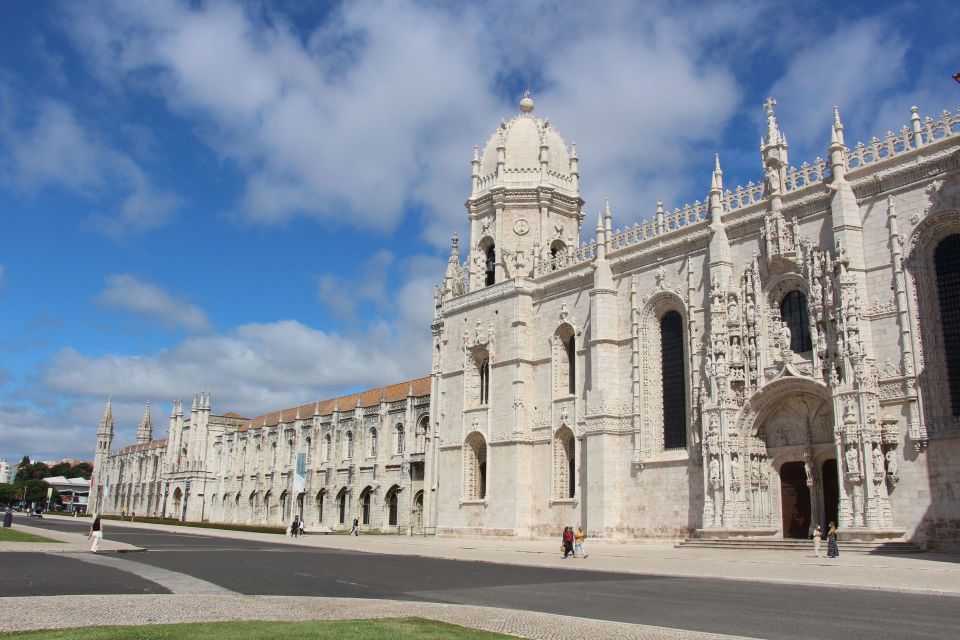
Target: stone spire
(316,409)
(145,428)
(773,149)
(721,262)
(608,223)
(453,279)
(106,421)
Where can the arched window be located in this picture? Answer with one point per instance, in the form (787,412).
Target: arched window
(475,468)
(393,504)
(564,358)
(348,446)
(309,443)
(365,506)
(326,447)
(490,270)
(373,443)
(572,361)
(421,435)
(674,381)
(793,311)
(400,442)
(946,259)
(483,375)
(564,465)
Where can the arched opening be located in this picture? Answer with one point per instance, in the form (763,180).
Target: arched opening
(831,492)
(475,467)
(348,446)
(558,254)
(267,499)
(393,506)
(794,500)
(400,442)
(178,502)
(490,266)
(793,312)
(236,508)
(365,505)
(342,505)
(418,512)
(326,447)
(373,443)
(946,259)
(252,506)
(284,506)
(673,376)
(300,504)
(564,465)
(321,498)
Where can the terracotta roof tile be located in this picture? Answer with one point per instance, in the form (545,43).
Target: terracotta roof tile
(368,398)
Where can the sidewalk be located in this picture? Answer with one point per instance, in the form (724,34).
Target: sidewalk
(67,542)
(925,573)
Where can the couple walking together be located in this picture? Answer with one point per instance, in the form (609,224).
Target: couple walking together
(573,542)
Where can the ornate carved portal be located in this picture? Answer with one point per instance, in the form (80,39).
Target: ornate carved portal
(792,440)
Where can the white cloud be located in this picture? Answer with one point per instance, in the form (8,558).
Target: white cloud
(126,292)
(378,108)
(855,66)
(57,150)
(259,367)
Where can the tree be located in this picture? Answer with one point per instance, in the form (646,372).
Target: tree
(34,471)
(10,494)
(81,470)
(36,491)
(60,469)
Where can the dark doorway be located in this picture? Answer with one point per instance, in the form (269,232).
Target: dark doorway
(831,492)
(795,500)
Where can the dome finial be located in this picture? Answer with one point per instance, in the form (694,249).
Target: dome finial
(526,103)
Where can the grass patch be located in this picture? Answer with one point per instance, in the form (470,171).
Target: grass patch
(12,535)
(201,525)
(384,629)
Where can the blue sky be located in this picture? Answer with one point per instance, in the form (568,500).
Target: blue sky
(256,198)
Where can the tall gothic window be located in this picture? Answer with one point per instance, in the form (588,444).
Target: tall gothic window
(348,446)
(393,505)
(674,382)
(564,465)
(946,258)
(342,505)
(326,447)
(793,311)
(421,435)
(475,468)
(481,361)
(572,362)
(365,505)
(490,270)
(373,443)
(400,442)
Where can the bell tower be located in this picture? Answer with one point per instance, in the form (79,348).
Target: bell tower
(525,204)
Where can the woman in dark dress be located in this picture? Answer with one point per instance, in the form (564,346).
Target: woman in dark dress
(832,550)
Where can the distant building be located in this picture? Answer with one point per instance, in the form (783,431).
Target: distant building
(74,492)
(7,472)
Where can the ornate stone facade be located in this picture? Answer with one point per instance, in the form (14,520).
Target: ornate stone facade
(752,365)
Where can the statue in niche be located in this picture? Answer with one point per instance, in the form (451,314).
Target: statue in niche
(857,504)
(755,469)
(732,309)
(784,337)
(735,468)
(714,473)
(735,353)
(891,457)
(878,462)
(853,463)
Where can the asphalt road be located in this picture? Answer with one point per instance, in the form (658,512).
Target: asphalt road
(738,608)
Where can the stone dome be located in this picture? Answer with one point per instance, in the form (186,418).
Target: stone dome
(521,139)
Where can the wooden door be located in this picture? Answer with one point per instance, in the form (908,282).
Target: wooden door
(794,500)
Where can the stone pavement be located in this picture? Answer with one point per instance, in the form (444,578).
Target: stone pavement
(915,573)
(923,573)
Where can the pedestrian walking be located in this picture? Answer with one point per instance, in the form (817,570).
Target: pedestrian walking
(817,534)
(295,527)
(96,533)
(301,527)
(123,514)
(355,531)
(578,539)
(568,542)
(832,550)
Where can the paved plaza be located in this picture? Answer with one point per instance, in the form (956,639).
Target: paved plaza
(122,587)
